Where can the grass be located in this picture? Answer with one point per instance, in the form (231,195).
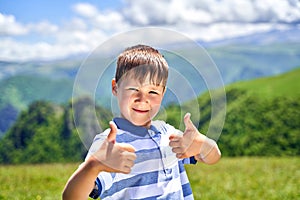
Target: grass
(34,182)
(231,178)
(283,85)
(247,178)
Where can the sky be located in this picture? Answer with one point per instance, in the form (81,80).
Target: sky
(48,30)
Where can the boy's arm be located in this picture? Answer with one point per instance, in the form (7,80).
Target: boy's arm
(82,182)
(193,143)
(110,157)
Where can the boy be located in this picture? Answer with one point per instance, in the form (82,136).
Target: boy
(138,158)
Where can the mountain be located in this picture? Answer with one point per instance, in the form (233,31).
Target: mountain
(239,58)
(247,61)
(47,132)
(236,59)
(19,91)
(262,116)
(262,119)
(278,36)
(286,85)
(56,69)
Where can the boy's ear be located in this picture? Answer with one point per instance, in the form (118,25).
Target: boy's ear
(165,89)
(114,87)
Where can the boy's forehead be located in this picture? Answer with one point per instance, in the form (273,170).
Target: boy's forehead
(130,80)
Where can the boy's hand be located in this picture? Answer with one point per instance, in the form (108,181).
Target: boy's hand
(116,157)
(189,143)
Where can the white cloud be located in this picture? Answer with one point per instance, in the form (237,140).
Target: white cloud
(9,26)
(206,20)
(145,12)
(43,27)
(85,10)
(21,51)
(106,21)
(214,20)
(110,21)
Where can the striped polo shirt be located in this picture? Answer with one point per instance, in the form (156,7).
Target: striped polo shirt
(156,174)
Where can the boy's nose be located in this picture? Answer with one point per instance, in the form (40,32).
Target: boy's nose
(142,97)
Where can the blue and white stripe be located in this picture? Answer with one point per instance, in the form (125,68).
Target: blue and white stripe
(157,173)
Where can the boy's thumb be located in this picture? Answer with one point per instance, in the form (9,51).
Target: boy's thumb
(187,120)
(113,132)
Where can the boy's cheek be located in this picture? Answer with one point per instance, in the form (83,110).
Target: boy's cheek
(156,100)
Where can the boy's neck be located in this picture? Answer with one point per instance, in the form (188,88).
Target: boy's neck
(126,125)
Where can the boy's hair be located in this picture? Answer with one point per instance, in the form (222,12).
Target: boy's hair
(141,61)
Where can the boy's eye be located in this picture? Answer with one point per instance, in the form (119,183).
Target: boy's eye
(153,92)
(133,89)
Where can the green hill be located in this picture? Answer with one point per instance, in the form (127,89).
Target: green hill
(283,85)
(46,132)
(21,90)
(18,92)
(262,119)
(262,116)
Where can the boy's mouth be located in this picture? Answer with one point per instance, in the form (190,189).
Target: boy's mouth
(139,110)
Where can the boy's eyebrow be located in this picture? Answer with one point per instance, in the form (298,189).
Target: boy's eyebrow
(156,87)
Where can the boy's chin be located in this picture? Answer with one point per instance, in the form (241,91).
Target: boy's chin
(145,123)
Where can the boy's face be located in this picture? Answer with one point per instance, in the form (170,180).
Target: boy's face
(138,103)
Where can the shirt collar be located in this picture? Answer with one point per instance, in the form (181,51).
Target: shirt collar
(126,125)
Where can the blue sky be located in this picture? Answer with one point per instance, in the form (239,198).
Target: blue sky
(55,11)
(34,29)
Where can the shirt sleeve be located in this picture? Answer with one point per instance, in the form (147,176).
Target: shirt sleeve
(190,160)
(193,160)
(95,194)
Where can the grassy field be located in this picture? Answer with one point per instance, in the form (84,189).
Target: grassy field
(247,178)
(231,178)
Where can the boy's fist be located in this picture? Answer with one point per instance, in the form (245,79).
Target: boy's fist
(186,145)
(116,157)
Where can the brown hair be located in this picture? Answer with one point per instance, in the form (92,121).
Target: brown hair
(141,61)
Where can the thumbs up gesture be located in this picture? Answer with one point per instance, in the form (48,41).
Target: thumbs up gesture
(187,145)
(115,157)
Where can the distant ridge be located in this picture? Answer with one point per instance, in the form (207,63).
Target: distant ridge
(282,85)
(18,92)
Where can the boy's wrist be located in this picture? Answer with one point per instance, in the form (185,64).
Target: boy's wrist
(95,165)
(198,142)
(208,145)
